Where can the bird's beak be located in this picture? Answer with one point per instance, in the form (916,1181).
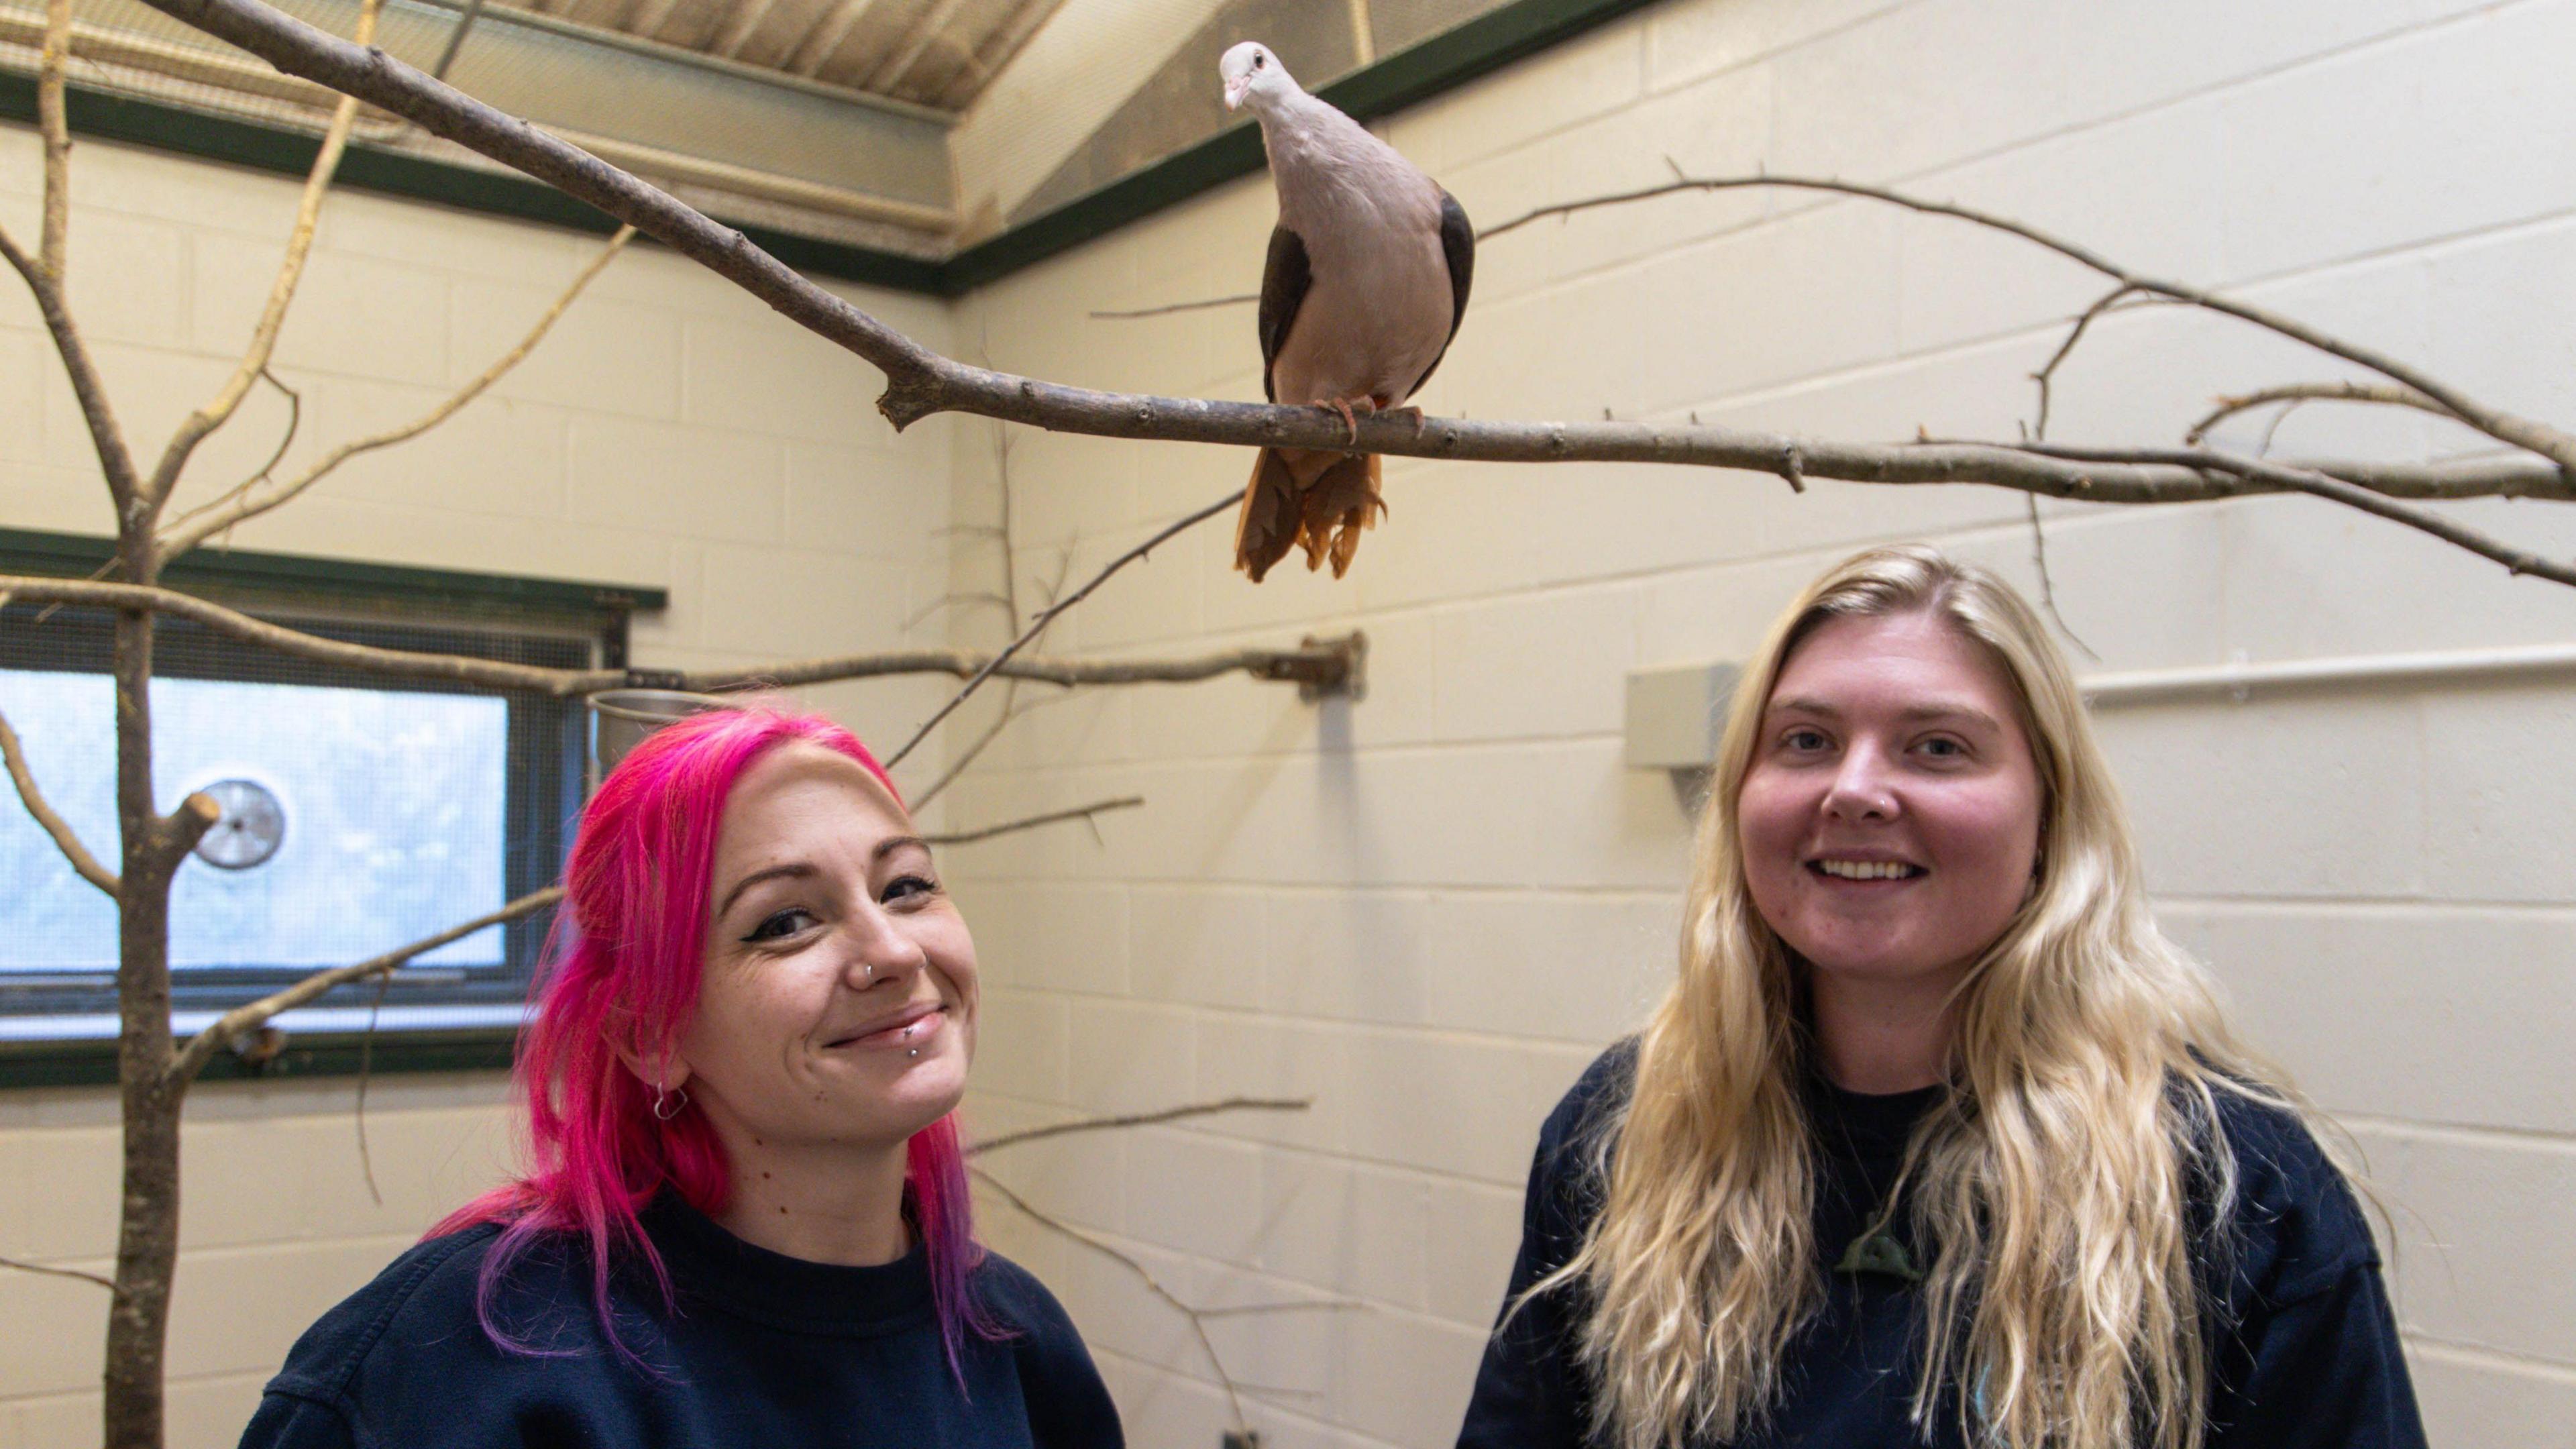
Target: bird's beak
(1234,93)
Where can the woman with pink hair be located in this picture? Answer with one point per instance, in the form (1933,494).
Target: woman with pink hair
(745,1217)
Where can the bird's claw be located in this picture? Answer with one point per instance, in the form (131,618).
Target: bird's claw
(1342,409)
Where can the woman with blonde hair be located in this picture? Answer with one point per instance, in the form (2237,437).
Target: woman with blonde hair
(1935,1139)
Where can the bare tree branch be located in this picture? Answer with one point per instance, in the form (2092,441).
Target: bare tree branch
(65,838)
(1048,614)
(1012,709)
(2360,392)
(217,411)
(2551,443)
(1143,1119)
(2047,585)
(238,506)
(1153,1285)
(2048,370)
(1013,827)
(106,437)
(52,238)
(1240,299)
(232,1024)
(921,382)
(25,1267)
(2307,480)
(1323,663)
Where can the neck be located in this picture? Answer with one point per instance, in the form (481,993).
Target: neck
(1880,1036)
(835,1204)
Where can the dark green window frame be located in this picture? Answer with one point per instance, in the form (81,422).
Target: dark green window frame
(405,607)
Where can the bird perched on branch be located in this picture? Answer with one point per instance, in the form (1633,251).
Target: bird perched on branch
(1366,282)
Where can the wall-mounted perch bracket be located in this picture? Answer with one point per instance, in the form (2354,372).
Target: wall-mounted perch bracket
(1323,668)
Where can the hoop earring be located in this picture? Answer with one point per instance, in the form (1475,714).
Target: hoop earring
(667,1105)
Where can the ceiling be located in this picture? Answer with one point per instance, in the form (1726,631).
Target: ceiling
(935,53)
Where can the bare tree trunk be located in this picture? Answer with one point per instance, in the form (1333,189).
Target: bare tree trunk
(147,1242)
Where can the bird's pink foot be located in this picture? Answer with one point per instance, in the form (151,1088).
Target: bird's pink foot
(1342,408)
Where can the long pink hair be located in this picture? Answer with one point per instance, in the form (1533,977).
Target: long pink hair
(623,971)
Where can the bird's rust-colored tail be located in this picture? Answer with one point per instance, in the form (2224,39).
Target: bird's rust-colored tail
(1314,499)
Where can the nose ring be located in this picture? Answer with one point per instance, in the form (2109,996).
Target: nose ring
(871,971)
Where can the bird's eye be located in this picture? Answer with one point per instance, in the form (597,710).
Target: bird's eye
(1257,59)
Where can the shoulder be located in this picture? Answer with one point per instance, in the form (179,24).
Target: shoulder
(2294,1226)
(1015,1295)
(1594,1104)
(1068,1404)
(434,1280)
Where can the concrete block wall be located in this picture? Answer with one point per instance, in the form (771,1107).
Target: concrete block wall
(670,431)
(1427,909)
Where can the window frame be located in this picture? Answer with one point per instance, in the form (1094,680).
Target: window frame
(344,597)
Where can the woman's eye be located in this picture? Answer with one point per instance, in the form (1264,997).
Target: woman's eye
(780,924)
(1943,749)
(904,887)
(1804,740)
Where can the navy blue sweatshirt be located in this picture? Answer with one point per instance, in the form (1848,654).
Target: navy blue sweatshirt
(764,1350)
(2307,1358)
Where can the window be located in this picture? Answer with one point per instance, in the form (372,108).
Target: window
(361,813)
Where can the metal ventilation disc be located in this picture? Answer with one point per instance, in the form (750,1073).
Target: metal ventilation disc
(251,828)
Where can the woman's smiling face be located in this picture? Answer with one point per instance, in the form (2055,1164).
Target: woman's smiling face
(837,999)
(1889,820)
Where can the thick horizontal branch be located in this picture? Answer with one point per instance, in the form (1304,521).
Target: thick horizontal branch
(921,382)
(1323,663)
(1142,1119)
(242,1020)
(1032,822)
(66,839)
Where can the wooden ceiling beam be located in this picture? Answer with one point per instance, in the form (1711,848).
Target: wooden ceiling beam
(739,26)
(820,42)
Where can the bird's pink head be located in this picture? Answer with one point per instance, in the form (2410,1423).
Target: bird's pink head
(1252,73)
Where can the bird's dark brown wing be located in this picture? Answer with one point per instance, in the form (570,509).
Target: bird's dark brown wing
(1458,244)
(1283,290)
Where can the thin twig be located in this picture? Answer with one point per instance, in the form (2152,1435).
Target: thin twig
(1012,827)
(202,1047)
(1168,308)
(366,1070)
(1011,710)
(1142,1119)
(26,1267)
(219,409)
(2047,587)
(976,681)
(2359,392)
(1207,1345)
(2048,370)
(234,508)
(66,839)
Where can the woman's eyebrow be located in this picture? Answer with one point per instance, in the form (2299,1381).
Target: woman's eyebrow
(893,843)
(793,868)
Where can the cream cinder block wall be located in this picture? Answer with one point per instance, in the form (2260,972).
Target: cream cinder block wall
(671,431)
(1428,909)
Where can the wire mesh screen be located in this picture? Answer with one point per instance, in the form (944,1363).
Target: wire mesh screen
(360,814)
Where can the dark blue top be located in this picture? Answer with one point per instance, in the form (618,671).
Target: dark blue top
(763,1350)
(2305,1357)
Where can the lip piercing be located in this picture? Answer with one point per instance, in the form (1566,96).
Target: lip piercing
(916,1051)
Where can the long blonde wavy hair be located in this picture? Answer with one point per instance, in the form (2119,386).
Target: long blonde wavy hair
(2054,1181)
